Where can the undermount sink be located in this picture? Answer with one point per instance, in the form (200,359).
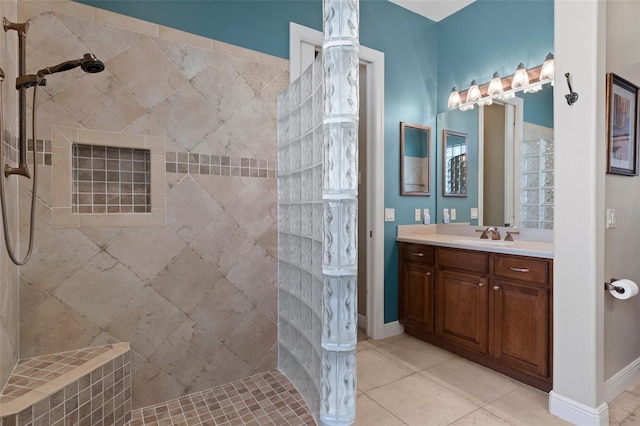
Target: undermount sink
(478,241)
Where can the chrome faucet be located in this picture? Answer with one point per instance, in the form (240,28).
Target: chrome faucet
(493,232)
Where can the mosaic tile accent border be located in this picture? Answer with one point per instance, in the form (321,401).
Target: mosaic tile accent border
(219,165)
(268,398)
(85,387)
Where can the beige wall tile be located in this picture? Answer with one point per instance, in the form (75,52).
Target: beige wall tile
(255,274)
(236,51)
(190,209)
(191,60)
(146,251)
(125,22)
(146,321)
(274,61)
(150,384)
(224,367)
(101,290)
(221,310)
(63,6)
(186,280)
(144,62)
(223,189)
(50,326)
(184,38)
(255,209)
(253,338)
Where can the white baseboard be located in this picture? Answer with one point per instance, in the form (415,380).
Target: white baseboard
(362,321)
(392,329)
(576,412)
(622,380)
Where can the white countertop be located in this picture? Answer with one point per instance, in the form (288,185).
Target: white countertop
(465,237)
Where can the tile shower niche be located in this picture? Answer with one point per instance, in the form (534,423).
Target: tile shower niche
(111,179)
(107,179)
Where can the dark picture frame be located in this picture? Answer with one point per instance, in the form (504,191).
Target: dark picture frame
(622,126)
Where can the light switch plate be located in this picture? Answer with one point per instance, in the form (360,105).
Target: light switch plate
(611,218)
(416,215)
(453,214)
(474,212)
(389,215)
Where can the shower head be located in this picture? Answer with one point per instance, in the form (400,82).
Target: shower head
(89,63)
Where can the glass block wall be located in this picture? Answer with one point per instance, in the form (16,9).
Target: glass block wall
(317,222)
(536,165)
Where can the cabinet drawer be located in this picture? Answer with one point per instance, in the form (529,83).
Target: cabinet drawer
(464,260)
(418,253)
(522,269)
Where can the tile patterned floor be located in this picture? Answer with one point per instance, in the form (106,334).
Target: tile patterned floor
(401,381)
(264,399)
(31,373)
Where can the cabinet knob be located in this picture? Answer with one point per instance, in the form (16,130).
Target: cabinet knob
(418,254)
(428,274)
(496,287)
(514,269)
(480,284)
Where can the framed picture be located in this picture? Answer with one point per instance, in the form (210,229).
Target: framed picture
(622,126)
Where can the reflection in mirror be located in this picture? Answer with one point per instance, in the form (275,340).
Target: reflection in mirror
(455,163)
(510,167)
(415,143)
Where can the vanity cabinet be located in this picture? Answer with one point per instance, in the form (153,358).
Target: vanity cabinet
(417,287)
(494,309)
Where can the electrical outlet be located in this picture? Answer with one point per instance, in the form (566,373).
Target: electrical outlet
(389,215)
(474,212)
(453,214)
(417,216)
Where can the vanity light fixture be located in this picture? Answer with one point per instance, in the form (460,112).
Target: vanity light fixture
(473,94)
(520,78)
(548,68)
(454,99)
(529,81)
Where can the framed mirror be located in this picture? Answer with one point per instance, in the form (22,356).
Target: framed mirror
(454,170)
(415,167)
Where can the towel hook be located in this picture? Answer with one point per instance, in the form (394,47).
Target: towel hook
(572,97)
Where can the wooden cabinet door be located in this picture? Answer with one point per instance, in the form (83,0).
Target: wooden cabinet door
(418,296)
(461,309)
(521,327)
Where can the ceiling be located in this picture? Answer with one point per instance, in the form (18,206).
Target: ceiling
(436,10)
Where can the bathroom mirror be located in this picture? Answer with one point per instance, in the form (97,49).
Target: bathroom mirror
(415,141)
(510,158)
(454,170)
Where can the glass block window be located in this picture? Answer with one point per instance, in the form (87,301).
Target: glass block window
(110,179)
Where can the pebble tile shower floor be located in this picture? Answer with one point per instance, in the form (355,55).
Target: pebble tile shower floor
(264,399)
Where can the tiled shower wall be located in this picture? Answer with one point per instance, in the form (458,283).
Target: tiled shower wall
(9,316)
(195,297)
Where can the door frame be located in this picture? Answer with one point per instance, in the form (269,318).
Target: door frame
(303,42)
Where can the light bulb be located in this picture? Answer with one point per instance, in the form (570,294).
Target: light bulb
(495,85)
(548,68)
(454,99)
(473,94)
(520,78)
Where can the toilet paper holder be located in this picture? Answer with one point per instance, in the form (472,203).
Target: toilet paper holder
(611,286)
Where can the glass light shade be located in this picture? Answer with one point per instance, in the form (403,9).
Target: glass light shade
(548,68)
(466,107)
(495,85)
(454,99)
(533,88)
(487,100)
(473,94)
(520,78)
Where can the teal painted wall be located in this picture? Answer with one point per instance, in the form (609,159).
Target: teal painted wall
(261,25)
(410,45)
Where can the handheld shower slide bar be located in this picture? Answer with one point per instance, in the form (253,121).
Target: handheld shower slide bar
(88,63)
